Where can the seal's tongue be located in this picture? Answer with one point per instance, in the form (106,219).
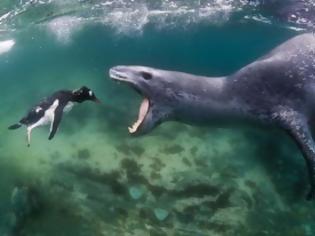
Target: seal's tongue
(142,113)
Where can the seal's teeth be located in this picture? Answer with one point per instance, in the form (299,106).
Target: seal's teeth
(144,107)
(131,129)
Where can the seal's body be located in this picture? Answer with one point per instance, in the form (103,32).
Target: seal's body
(51,109)
(277,89)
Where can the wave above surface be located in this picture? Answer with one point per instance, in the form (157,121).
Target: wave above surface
(122,15)
(63,27)
(130,16)
(293,13)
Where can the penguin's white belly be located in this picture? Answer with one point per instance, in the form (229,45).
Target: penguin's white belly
(68,107)
(48,117)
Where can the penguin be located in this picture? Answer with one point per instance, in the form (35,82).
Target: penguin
(51,109)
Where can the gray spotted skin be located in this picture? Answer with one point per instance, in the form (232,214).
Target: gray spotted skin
(277,89)
(283,78)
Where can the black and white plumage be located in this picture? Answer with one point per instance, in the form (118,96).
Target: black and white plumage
(51,109)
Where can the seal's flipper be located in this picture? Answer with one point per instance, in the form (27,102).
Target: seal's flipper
(56,121)
(297,126)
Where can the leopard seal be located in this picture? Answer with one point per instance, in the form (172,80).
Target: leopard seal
(277,89)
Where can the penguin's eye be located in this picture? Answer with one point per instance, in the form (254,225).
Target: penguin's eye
(146,75)
(90,93)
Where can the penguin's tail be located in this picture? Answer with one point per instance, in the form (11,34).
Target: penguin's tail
(15,126)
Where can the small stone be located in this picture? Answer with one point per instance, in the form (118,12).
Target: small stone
(161,214)
(136,192)
(307,230)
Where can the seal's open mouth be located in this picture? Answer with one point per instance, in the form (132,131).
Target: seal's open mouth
(145,104)
(144,108)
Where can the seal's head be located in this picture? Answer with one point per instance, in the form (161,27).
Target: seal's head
(151,84)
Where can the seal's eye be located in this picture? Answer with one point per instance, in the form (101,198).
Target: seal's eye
(146,75)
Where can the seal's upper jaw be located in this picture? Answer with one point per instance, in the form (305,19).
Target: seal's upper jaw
(133,76)
(117,73)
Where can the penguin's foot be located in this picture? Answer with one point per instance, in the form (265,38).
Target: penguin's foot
(311,194)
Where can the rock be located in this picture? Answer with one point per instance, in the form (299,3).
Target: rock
(84,154)
(8,225)
(161,214)
(173,149)
(25,201)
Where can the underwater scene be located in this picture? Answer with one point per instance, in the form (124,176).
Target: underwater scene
(93,177)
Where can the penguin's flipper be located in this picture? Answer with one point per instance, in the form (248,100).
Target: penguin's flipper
(56,121)
(15,126)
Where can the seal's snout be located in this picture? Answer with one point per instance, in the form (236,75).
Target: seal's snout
(118,73)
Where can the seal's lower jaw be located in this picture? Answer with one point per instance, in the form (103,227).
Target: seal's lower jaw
(143,111)
(145,104)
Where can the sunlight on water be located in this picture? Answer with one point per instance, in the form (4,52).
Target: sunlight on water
(6,46)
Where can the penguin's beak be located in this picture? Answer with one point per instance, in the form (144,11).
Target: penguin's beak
(96,100)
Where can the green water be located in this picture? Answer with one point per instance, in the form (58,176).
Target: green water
(94,179)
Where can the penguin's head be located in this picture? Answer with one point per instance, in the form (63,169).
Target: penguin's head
(84,94)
